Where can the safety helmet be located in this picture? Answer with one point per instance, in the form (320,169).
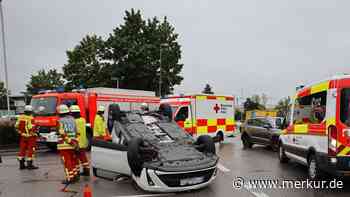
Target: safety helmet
(63,109)
(74,108)
(28,108)
(144,106)
(101,108)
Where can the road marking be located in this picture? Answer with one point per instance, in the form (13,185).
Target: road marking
(148,195)
(258,194)
(222,168)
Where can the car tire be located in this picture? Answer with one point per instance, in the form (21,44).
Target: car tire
(314,171)
(52,146)
(282,155)
(206,144)
(246,142)
(134,157)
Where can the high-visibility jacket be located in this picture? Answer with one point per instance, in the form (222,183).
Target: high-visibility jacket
(67,133)
(25,126)
(99,126)
(81,132)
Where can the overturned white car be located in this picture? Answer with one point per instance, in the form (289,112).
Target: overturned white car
(158,154)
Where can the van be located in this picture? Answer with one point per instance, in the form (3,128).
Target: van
(317,130)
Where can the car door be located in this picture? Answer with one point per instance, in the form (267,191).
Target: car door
(111,156)
(261,131)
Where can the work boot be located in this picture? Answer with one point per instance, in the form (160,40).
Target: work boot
(86,172)
(30,166)
(66,182)
(22,165)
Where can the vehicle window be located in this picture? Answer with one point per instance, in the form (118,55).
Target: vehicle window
(182,115)
(310,109)
(345,106)
(44,106)
(250,122)
(69,102)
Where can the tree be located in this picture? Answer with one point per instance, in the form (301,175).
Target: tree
(85,67)
(282,106)
(207,89)
(43,80)
(130,54)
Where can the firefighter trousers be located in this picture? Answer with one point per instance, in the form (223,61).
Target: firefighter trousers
(82,159)
(69,160)
(27,146)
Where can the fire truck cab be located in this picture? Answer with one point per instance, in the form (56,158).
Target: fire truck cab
(318,128)
(204,114)
(45,104)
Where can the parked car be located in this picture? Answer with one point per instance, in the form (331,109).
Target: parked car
(262,130)
(159,155)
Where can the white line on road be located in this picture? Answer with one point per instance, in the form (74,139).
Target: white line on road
(148,195)
(222,168)
(258,194)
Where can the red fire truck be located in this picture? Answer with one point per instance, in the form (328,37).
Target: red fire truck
(45,104)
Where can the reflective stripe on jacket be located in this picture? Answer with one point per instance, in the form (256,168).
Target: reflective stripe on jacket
(99,126)
(67,133)
(81,132)
(25,126)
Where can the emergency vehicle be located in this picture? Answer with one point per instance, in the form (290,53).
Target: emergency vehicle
(204,114)
(318,128)
(46,116)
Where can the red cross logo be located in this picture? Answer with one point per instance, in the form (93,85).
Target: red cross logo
(216,108)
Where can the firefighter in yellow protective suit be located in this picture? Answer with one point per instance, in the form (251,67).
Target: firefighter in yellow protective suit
(82,140)
(100,130)
(27,131)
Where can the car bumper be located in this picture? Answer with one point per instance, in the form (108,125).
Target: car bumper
(338,166)
(158,181)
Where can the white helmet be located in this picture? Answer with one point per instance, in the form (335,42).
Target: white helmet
(74,108)
(144,107)
(28,108)
(101,108)
(63,109)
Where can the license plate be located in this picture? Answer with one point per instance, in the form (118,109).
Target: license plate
(191,181)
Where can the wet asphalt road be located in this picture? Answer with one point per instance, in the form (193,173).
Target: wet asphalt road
(259,162)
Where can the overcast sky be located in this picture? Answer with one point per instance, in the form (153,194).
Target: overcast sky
(258,46)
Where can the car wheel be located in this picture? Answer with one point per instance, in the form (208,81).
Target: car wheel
(52,146)
(206,144)
(246,142)
(134,157)
(282,155)
(314,170)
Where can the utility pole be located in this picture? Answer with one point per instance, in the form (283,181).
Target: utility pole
(160,67)
(5,58)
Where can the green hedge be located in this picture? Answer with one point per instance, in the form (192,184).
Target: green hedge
(8,133)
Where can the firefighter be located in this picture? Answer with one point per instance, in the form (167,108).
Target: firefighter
(27,131)
(100,130)
(82,140)
(144,108)
(67,144)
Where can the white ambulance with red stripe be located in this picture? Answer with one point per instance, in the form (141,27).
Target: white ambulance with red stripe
(45,114)
(318,128)
(201,114)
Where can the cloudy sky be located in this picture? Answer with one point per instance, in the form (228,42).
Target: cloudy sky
(249,46)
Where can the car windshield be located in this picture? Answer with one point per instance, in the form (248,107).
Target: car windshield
(345,106)
(44,106)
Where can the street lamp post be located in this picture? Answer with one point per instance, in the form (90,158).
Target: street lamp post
(160,67)
(5,60)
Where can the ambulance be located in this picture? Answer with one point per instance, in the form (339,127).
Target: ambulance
(201,114)
(46,116)
(318,128)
